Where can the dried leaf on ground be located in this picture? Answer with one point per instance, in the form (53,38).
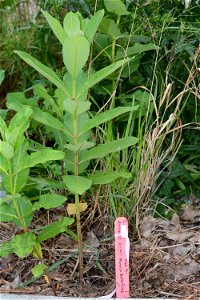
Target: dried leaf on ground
(190,214)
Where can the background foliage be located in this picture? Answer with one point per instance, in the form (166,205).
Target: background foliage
(175,31)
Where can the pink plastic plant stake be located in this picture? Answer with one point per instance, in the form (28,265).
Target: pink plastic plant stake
(122,250)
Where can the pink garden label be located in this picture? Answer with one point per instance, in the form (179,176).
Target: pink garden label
(122,250)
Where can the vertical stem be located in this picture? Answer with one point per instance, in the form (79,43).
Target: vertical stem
(12,191)
(74,89)
(77,204)
(79,233)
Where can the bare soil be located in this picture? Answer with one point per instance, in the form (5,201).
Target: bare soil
(164,261)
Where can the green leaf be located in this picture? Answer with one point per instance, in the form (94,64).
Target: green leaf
(3,127)
(2,75)
(19,123)
(40,91)
(131,67)
(42,69)
(44,155)
(71,24)
(19,160)
(5,249)
(55,26)
(45,183)
(80,146)
(136,49)
(6,149)
(109,27)
(7,213)
(108,177)
(110,147)
(117,7)
(77,184)
(7,198)
(69,84)
(100,75)
(20,180)
(48,201)
(75,54)
(25,210)
(38,270)
(69,127)
(54,229)
(47,119)
(93,24)
(106,116)
(15,101)
(143,96)
(75,107)
(23,244)
(4,167)
(70,162)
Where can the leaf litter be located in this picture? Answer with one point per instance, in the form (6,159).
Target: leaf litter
(164,260)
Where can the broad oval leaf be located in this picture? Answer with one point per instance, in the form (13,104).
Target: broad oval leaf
(76,107)
(80,146)
(25,210)
(42,69)
(77,184)
(70,85)
(75,54)
(55,26)
(5,249)
(48,201)
(71,24)
(23,244)
(47,119)
(70,162)
(136,49)
(110,147)
(54,229)
(93,24)
(44,155)
(7,213)
(117,7)
(109,27)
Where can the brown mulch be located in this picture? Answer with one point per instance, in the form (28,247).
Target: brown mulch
(164,262)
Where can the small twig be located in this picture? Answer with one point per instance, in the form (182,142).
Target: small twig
(173,295)
(188,254)
(150,256)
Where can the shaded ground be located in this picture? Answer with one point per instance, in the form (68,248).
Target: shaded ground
(165,261)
